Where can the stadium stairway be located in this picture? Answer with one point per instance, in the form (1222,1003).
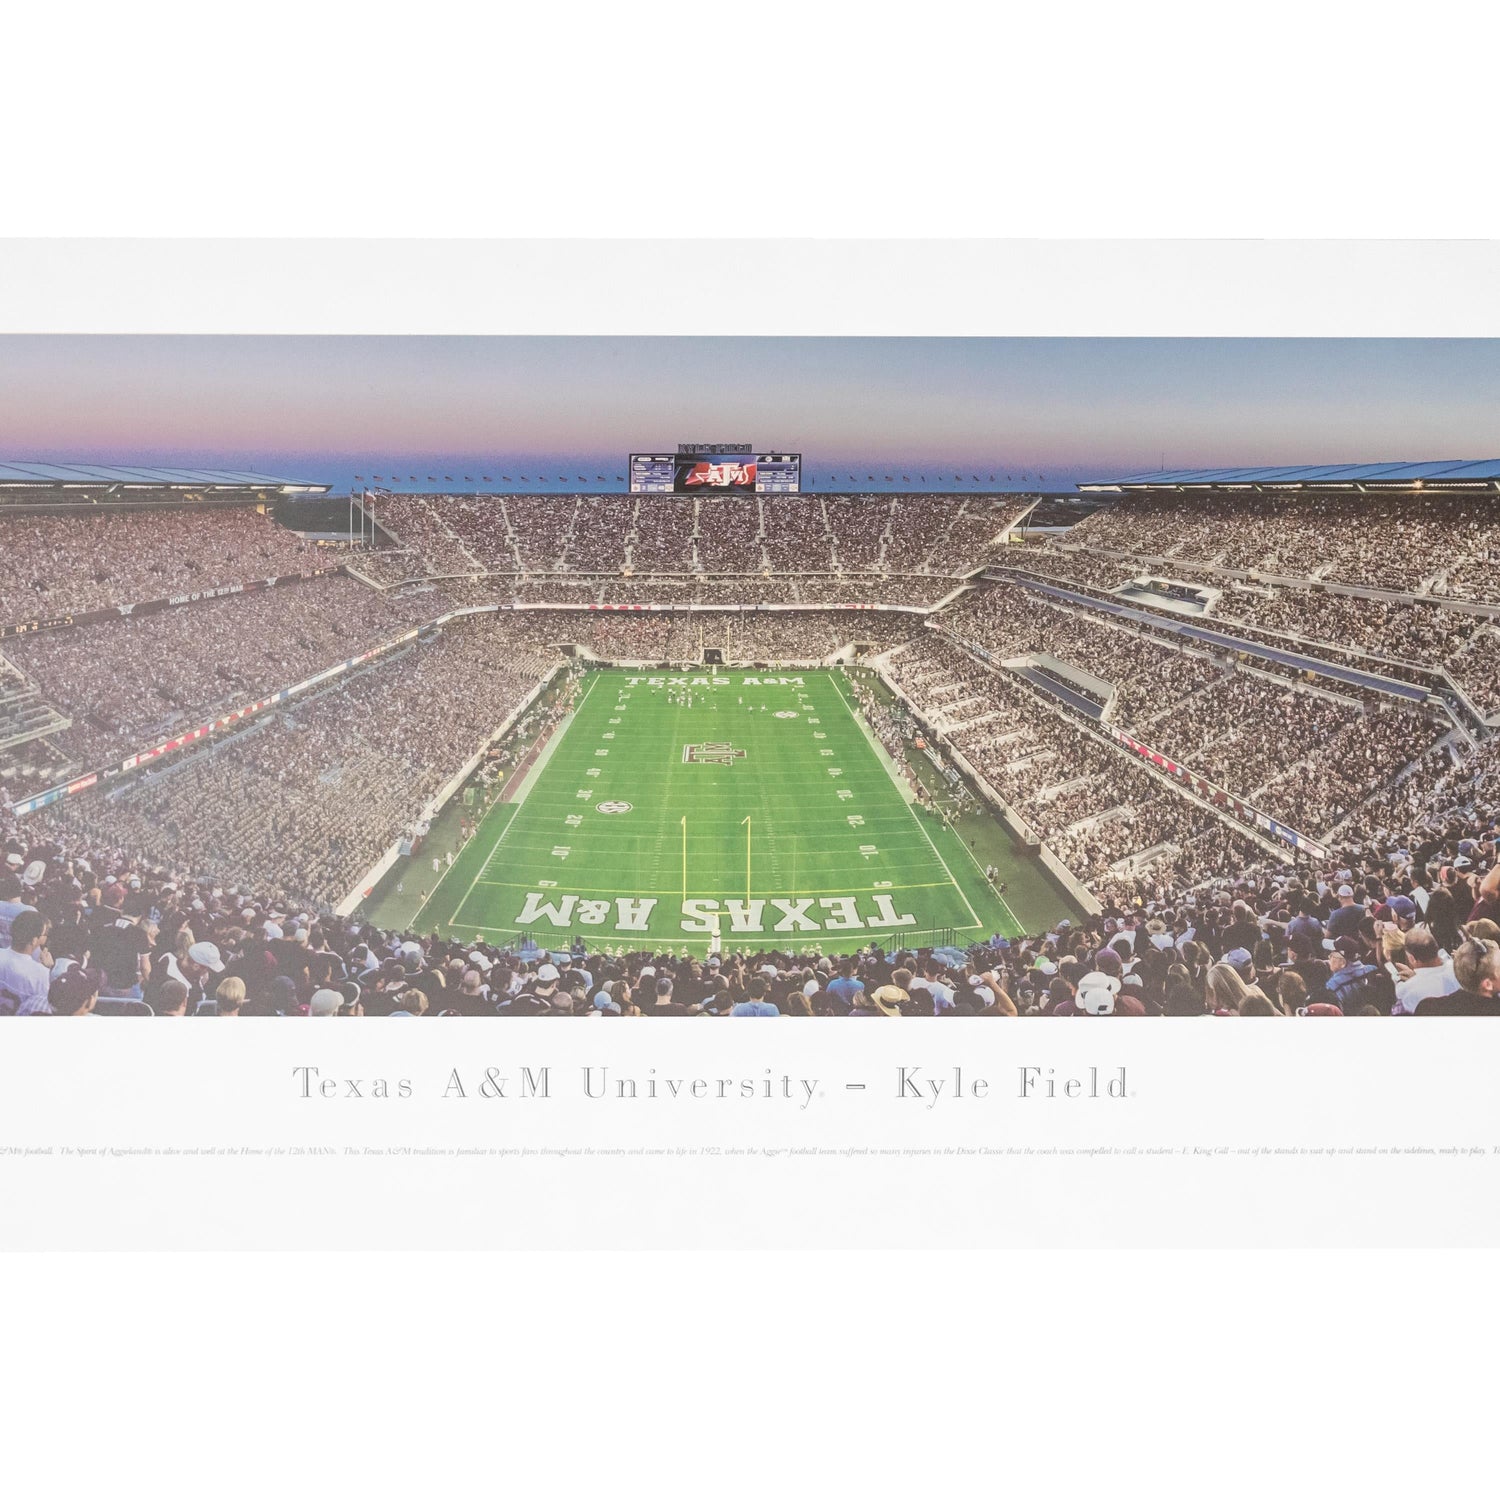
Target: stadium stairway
(24,714)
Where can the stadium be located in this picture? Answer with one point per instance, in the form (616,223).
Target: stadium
(720,741)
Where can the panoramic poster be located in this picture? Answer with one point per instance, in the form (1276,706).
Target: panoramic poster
(380,678)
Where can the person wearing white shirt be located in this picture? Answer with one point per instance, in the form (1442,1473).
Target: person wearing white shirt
(9,910)
(1432,972)
(26,968)
(933,980)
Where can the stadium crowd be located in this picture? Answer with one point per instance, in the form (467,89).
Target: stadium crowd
(938,535)
(309,797)
(1149,675)
(71,564)
(216,874)
(1409,932)
(1431,542)
(1405,638)
(127,681)
(1308,759)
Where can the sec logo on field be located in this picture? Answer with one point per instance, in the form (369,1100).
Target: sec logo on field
(612,807)
(784,713)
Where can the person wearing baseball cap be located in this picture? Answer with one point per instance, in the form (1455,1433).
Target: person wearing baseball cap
(1354,982)
(1346,919)
(535,996)
(1403,912)
(325,1003)
(75,991)
(197,971)
(1095,996)
(1240,961)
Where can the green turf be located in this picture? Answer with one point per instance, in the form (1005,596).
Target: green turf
(827,822)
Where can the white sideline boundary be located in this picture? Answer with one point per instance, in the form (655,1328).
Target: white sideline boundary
(527,782)
(885,760)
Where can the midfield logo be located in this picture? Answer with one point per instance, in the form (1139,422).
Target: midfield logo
(716,752)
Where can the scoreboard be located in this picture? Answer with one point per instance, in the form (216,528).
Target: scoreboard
(778,473)
(699,468)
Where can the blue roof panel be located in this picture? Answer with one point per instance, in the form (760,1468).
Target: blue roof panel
(1467,470)
(29,472)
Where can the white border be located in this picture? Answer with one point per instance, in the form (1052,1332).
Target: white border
(955,288)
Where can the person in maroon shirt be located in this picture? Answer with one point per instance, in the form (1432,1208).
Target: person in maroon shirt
(1487,905)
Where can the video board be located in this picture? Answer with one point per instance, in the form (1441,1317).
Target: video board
(711,469)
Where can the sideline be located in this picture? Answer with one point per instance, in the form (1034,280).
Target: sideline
(553,741)
(889,766)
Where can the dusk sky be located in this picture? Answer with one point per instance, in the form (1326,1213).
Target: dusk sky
(324,408)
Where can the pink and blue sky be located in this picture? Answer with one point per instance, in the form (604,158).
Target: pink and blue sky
(326,408)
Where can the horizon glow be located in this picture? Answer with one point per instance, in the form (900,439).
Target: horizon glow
(326,408)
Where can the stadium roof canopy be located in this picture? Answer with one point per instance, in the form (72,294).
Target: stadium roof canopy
(95,476)
(1454,473)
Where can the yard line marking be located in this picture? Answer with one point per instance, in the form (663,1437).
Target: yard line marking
(894,827)
(613,891)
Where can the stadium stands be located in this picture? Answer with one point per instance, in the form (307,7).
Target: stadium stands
(1392,796)
(129,680)
(56,565)
(308,801)
(814,538)
(1427,543)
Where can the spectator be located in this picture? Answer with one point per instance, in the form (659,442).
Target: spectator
(25,967)
(1476,966)
(1354,982)
(1431,972)
(229,997)
(74,992)
(535,997)
(170,998)
(755,1002)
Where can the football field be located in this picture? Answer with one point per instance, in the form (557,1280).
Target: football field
(727,807)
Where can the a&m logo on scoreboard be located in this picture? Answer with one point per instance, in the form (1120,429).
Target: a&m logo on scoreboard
(714,753)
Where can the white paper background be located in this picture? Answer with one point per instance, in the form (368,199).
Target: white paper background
(1380,1133)
(1226,288)
(871,1372)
